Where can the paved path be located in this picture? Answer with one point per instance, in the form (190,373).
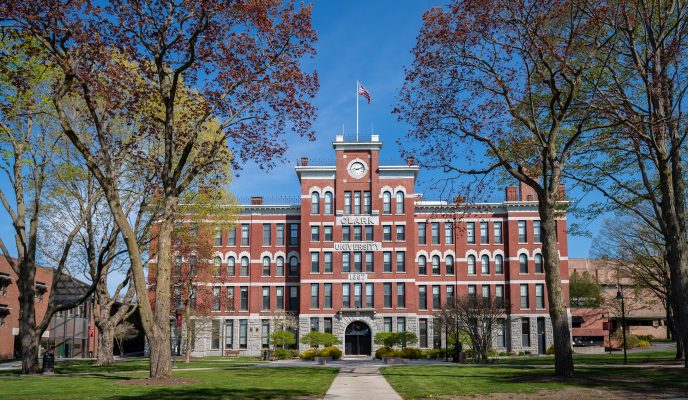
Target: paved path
(362,382)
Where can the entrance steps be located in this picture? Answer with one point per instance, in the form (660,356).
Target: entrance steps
(356,357)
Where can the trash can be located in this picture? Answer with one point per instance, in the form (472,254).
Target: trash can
(266,355)
(48,363)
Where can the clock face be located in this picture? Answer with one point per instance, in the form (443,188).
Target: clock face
(357,169)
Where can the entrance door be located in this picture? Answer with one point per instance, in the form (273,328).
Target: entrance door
(542,344)
(357,339)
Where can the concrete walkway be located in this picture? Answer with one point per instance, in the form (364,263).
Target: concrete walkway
(362,382)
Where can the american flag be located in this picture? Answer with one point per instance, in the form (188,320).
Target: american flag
(364,92)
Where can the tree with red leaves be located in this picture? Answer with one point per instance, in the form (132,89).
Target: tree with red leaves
(496,89)
(201,80)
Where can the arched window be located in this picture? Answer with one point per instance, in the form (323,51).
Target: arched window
(266,266)
(435,265)
(422,268)
(538,264)
(485,264)
(293,266)
(244,266)
(523,263)
(471,264)
(231,266)
(279,266)
(400,202)
(386,203)
(328,203)
(449,260)
(315,203)
(217,262)
(499,264)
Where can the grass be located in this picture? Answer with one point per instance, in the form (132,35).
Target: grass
(231,382)
(436,381)
(652,356)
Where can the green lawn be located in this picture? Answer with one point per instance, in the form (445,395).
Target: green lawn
(652,356)
(233,382)
(436,381)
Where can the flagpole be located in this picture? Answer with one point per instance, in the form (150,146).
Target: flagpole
(356,111)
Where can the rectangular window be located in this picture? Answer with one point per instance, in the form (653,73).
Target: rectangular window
(501,332)
(435,233)
(294,234)
(315,233)
(266,298)
(387,261)
(229,334)
(243,301)
(540,295)
(537,231)
(470,232)
(401,295)
(366,202)
(423,332)
(370,296)
(436,301)
(524,296)
(484,234)
(216,299)
(346,233)
(387,324)
(449,233)
(315,262)
(327,325)
(422,297)
(265,333)
(279,237)
(421,233)
(497,227)
(328,295)
(401,233)
(230,299)
(499,295)
(327,233)
(358,233)
(357,295)
(347,202)
(486,294)
(279,297)
(243,333)
(401,261)
(315,300)
(369,233)
(231,237)
(358,261)
(327,268)
(218,237)
(293,298)
(522,237)
(244,234)
(346,295)
(315,324)
(450,294)
(357,202)
(267,240)
(401,324)
(387,295)
(346,262)
(525,332)
(370,266)
(471,292)
(387,233)
(436,334)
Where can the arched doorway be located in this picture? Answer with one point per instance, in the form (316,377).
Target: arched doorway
(357,339)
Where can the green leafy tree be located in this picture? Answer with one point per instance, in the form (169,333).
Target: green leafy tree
(316,339)
(283,338)
(584,289)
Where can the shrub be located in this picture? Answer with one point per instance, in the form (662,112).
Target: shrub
(387,339)
(647,338)
(283,338)
(528,352)
(503,353)
(315,339)
(491,353)
(410,352)
(470,353)
(631,340)
(521,353)
(386,352)
(644,343)
(550,350)
(331,351)
(282,354)
(434,353)
(308,355)
(294,353)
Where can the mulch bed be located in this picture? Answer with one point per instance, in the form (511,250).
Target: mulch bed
(158,382)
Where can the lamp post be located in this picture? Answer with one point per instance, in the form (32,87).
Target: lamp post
(177,325)
(620,296)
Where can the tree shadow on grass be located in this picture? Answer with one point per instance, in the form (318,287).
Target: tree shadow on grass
(184,393)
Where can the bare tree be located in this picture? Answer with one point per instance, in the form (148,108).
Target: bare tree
(122,332)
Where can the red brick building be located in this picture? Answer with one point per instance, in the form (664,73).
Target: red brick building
(364,253)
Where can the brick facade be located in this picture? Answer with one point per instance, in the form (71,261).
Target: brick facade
(342,204)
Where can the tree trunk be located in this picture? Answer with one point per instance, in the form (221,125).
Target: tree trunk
(28,336)
(106,345)
(563,353)
(188,337)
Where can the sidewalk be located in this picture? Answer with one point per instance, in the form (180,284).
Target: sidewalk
(357,383)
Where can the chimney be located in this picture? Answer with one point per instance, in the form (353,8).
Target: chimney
(562,192)
(511,193)
(410,161)
(527,193)
(256,200)
(304,161)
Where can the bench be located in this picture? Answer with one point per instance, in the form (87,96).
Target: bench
(229,353)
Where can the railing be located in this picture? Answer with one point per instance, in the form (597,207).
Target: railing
(269,200)
(330,162)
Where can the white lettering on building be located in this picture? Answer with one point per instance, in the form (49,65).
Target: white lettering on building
(358,246)
(358,220)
